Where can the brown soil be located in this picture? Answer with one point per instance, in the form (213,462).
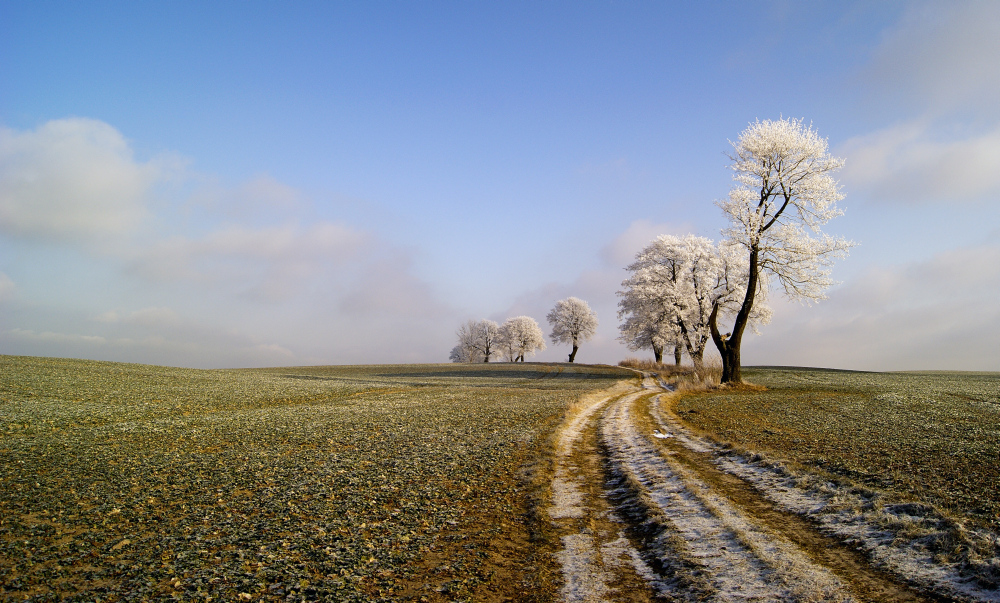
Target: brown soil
(499,553)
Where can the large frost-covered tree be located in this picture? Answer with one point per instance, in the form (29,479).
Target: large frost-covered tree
(677,284)
(573,322)
(784,192)
(519,336)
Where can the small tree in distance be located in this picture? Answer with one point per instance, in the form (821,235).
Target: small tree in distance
(465,351)
(519,336)
(572,322)
(784,193)
(487,339)
(477,341)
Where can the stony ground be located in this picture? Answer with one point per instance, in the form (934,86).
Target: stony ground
(126,482)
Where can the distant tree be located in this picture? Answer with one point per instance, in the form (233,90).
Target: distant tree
(519,336)
(675,286)
(784,193)
(572,322)
(459,354)
(485,340)
(466,350)
(508,349)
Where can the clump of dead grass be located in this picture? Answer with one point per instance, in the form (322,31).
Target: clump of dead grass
(681,377)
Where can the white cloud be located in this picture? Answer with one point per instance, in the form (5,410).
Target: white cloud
(937,72)
(622,250)
(942,55)
(261,196)
(53,337)
(254,280)
(153,317)
(73,179)
(268,263)
(386,287)
(911,163)
(935,314)
(151,335)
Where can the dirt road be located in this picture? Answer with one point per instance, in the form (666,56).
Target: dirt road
(646,511)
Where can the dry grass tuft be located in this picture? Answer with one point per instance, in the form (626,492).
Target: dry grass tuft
(683,378)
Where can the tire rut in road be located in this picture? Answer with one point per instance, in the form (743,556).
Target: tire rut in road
(739,559)
(598,561)
(664,522)
(865,582)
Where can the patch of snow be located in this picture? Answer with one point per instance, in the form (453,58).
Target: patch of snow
(584,579)
(567,498)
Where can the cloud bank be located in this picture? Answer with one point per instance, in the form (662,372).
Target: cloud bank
(198,273)
(936,74)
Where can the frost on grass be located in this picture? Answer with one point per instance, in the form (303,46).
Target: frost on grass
(316,483)
(930,423)
(584,579)
(908,544)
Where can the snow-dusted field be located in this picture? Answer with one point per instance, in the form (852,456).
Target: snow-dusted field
(126,482)
(482,483)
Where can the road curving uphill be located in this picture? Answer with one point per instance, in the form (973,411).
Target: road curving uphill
(647,511)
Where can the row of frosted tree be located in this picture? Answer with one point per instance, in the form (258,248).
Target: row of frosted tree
(680,288)
(572,322)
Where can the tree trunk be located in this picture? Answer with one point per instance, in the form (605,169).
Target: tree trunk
(698,360)
(720,343)
(729,347)
(677,354)
(658,353)
(572,354)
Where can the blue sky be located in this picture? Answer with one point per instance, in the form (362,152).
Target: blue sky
(254,184)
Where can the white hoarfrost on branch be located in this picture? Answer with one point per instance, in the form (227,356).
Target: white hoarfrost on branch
(674,287)
(646,326)
(783,193)
(573,322)
(519,336)
(464,351)
(477,342)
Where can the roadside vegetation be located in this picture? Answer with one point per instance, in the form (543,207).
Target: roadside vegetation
(678,376)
